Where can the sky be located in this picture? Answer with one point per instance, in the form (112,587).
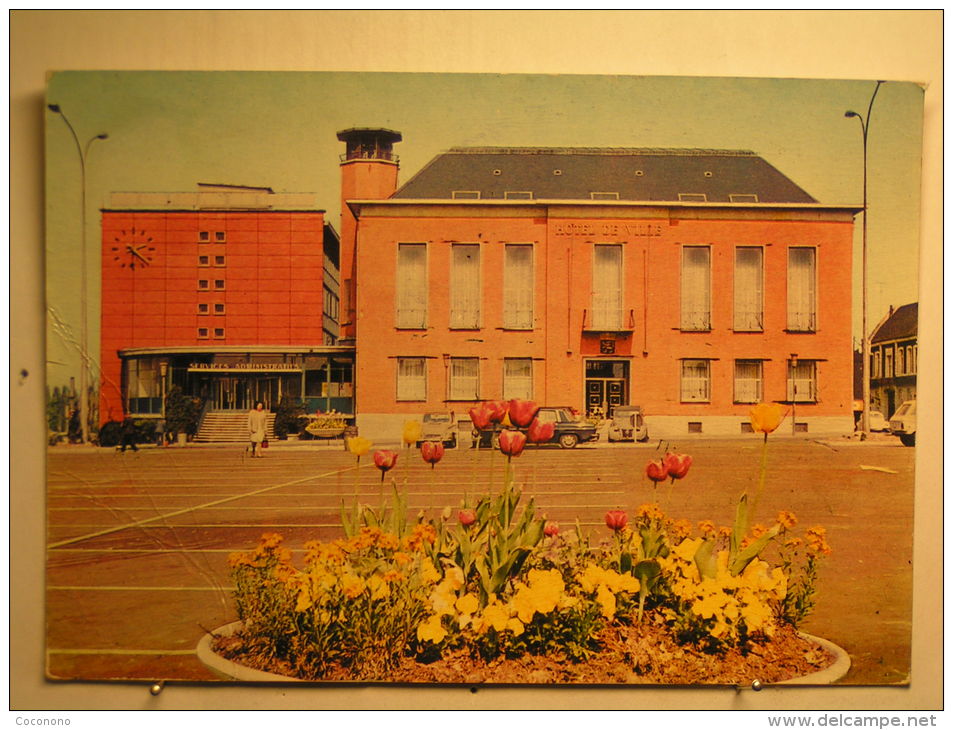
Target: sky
(168,131)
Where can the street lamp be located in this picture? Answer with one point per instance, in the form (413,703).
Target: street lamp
(83,151)
(865,340)
(793,365)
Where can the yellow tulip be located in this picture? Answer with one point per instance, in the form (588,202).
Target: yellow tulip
(766,417)
(412,432)
(359,446)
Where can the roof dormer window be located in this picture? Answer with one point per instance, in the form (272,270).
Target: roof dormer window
(466,194)
(692,198)
(743,198)
(604,196)
(518,195)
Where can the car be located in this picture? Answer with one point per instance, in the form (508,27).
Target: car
(439,426)
(627,424)
(568,429)
(903,423)
(877,422)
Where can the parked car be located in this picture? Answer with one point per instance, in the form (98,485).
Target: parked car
(628,424)
(877,422)
(439,426)
(903,423)
(568,431)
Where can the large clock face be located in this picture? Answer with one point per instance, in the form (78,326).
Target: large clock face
(133,248)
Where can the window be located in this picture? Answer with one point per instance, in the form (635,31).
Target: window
(203,284)
(411,378)
(219,236)
(693,197)
(203,260)
(696,288)
(518,195)
(219,260)
(888,362)
(911,359)
(143,385)
(742,198)
(607,287)
(748,379)
(466,194)
(875,364)
(204,236)
(802,381)
(464,378)
(518,378)
(900,361)
(465,286)
(412,285)
(203,333)
(220,284)
(219,333)
(219,308)
(203,308)
(802,313)
(696,381)
(518,287)
(604,196)
(749,306)
(331,304)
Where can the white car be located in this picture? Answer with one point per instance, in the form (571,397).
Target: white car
(903,423)
(877,422)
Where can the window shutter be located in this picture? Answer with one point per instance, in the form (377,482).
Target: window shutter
(465,286)
(607,287)
(749,305)
(412,285)
(696,288)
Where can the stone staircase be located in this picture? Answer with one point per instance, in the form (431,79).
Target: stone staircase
(230,426)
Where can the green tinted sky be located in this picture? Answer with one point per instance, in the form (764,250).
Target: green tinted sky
(170,130)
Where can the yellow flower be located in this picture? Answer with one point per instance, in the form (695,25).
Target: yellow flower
(706,528)
(766,417)
(412,431)
(428,573)
(352,585)
(467,604)
(378,587)
(606,601)
(359,446)
(495,616)
(431,630)
(786,519)
(515,625)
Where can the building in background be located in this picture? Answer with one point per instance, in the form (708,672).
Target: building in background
(893,360)
(693,283)
(229,292)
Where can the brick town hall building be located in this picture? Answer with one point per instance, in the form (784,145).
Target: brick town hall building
(693,283)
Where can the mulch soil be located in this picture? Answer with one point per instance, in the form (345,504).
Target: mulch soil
(639,654)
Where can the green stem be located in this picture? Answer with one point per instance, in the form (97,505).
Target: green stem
(757,495)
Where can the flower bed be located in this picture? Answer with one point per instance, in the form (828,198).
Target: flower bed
(500,595)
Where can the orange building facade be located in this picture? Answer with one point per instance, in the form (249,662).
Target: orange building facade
(229,293)
(693,306)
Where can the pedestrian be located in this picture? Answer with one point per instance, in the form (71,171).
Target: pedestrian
(128,435)
(256,428)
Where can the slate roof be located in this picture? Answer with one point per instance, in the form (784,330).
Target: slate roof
(574,173)
(900,325)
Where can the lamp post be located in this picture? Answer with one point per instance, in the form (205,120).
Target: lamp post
(865,339)
(793,364)
(83,152)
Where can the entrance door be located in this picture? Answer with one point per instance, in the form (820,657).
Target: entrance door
(607,386)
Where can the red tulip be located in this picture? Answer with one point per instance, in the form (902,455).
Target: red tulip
(677,464)
(497,410)
(616,519)
(657,471)
(540,433)
(551,529)
(480,416)
(432,452)
(467,517)
(522,412)
(385,461)
(512,442)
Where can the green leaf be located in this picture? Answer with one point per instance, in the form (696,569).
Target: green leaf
(625,562)
(705,559)
(741,525)
(741,560)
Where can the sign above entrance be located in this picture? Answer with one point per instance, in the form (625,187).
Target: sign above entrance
(258,367)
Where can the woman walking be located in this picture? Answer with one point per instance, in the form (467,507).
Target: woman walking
(256,428)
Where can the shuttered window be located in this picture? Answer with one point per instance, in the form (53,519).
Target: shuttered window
(465,286)
(749,306)
(412,285)
(696,381)
(464,379)
(518,378)
(802,308)
(802,381)
(696,288)
(518,286)
(411,378)
(748,378)
(607,287)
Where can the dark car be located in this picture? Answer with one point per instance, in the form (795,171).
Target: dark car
(568,430)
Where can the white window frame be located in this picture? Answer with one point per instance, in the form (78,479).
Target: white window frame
(607,296)
(900,361)
(749,389)
(466,290)
(411,386)
(463,386)
(695,387)
(410,297)
(798,320)
(911,359)
(517,386)
(888,361)
(693,318)
(748,306)
(875,364)
(804,379)
(518,296)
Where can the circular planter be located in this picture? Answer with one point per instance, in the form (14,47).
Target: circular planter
(232,670)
